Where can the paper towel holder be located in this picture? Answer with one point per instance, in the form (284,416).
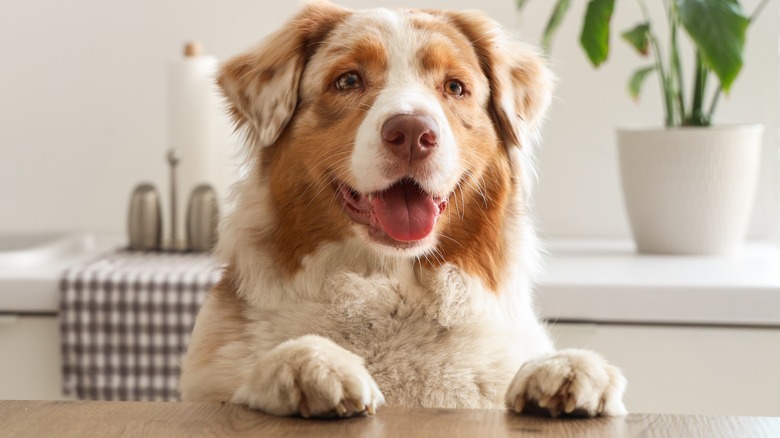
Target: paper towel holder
(193,49)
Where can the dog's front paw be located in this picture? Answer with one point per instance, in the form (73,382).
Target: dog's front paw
(574,382)
(311,376)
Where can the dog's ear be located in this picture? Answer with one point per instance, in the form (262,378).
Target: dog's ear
(261,86)
(521,85)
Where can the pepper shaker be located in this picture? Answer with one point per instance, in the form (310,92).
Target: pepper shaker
(202,218)
(144,219)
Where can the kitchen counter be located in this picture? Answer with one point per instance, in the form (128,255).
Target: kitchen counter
(606,281)
(583,280)
(119,419)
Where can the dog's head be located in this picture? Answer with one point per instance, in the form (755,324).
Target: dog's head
(375,123)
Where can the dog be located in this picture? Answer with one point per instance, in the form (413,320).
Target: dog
(380,250)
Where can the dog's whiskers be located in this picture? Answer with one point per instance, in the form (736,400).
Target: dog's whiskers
(323,174)
(451,239)
(342,184)
(475,186)
(323,181)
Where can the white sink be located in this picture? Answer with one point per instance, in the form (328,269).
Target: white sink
(31,266)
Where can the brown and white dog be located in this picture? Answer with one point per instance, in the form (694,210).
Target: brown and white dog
(380,250)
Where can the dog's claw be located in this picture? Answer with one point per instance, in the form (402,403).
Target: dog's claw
(305,413)
(341,409)
(519,404)
(554,410)
(371,409)
(570,405)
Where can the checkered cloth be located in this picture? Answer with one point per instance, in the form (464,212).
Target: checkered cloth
(125,321)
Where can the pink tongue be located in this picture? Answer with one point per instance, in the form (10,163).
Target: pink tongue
(405,212)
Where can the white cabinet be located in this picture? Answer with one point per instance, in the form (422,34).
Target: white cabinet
(686,369)
(29,357)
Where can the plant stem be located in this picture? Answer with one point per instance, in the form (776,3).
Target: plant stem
(662,75)
(697,116)
(675,67)
(714,103)
(758,10)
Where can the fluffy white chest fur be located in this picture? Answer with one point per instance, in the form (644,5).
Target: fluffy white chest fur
(427,338)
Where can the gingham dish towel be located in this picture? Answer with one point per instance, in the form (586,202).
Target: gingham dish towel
(125,321)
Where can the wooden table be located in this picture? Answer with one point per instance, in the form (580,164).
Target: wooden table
(117,419)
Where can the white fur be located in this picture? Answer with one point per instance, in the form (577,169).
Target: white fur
(311,375)
(566,382)
(403,94)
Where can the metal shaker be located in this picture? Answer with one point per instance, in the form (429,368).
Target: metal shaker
(144,219)
(202,218)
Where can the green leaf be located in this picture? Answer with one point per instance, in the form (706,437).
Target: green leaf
(555,21)
(717,28)
(595,30)
(521,3)
(635,83)
(639,38)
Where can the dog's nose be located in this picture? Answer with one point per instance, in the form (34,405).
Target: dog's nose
(410,137)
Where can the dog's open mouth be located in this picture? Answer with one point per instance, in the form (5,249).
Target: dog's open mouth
(403,212)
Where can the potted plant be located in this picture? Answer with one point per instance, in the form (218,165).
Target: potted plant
(688,186)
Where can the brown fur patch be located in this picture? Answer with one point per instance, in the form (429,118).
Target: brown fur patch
(302,166)
(246,77)
(511,68)
(472,230)
(305,211)
(438,56)
(366,55)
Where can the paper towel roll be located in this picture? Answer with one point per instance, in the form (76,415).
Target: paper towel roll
(199,128)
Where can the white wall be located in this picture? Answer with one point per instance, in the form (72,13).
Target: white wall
(82,106)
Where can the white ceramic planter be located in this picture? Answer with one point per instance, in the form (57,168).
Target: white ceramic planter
(689,190)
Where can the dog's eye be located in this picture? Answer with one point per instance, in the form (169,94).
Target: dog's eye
(453,87)
(349,81)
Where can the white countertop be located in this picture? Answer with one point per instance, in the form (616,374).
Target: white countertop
(584,280)
(606,281)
